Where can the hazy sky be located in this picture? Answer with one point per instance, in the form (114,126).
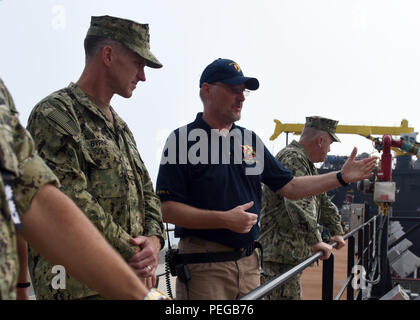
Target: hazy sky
(354,61)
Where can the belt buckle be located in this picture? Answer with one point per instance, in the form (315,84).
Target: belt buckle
(249,250)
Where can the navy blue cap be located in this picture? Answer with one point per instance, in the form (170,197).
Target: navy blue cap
(228,72)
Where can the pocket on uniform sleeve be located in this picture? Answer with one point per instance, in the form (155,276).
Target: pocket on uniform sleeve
(8,159)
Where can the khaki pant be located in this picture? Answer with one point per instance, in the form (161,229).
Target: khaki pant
(217,280)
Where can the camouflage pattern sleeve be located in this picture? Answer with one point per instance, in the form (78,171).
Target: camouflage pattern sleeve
(35,173)
(302,212)
(59,147)
(153,224)
(153,217)
(330,218)
(32,171)
(18,160)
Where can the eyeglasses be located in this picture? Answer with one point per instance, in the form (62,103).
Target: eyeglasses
(234,90)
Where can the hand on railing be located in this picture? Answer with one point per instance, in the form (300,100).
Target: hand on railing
(324,247)
(269,286)
(339,240)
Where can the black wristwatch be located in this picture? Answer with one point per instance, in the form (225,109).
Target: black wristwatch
(340,179)
(23,285)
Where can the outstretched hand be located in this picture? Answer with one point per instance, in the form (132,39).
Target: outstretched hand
(354,170)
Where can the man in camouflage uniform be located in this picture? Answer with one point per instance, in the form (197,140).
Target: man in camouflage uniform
(94,154)
(28,194)
(28,173)
(289,227)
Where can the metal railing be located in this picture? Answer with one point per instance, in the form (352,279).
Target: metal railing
(370,236)
(367,243)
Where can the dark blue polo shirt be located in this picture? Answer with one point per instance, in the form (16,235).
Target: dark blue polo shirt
(205,170)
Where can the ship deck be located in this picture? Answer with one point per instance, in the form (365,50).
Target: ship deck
(312,277)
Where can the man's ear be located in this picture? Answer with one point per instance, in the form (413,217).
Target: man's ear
(107,55)
(319,141)
(205,90)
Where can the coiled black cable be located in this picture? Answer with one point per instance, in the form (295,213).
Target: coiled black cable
(167,271)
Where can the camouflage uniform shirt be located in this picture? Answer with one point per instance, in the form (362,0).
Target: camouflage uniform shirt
(100,168)
(289,227)
(27,173)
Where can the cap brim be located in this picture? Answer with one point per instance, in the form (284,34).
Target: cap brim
(334,137)
(250,83)
(151,60)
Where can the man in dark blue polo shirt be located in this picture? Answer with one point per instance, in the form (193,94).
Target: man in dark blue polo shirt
(209,183)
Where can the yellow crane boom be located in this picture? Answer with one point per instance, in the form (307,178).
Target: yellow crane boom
(364,131)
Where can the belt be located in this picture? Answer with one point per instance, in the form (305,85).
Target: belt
(191,258)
